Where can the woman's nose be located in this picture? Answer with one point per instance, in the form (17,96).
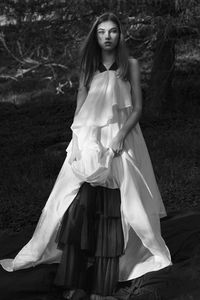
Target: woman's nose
(107,34)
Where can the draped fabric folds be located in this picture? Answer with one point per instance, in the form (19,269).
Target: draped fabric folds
(107,107)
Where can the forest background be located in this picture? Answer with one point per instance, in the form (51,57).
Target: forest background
(39,42)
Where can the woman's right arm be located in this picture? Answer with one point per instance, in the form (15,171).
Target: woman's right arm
(81,96)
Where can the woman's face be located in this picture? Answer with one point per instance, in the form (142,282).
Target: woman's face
(107,35)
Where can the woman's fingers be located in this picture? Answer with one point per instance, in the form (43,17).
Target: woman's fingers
(117,151)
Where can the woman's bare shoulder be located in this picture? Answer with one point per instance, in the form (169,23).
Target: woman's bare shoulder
(133,62)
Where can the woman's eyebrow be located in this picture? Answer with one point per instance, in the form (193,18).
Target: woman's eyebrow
(109,29)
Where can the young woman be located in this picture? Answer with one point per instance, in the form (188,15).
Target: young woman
(107,149)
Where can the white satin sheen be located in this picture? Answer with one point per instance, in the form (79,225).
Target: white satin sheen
(105,110)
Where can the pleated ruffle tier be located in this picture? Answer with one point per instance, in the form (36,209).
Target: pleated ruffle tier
(91,238)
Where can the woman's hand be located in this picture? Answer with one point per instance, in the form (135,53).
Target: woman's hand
(117,144)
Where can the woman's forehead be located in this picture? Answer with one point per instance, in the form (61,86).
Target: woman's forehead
(107,25)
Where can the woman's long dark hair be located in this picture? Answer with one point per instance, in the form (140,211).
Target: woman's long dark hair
(90,54)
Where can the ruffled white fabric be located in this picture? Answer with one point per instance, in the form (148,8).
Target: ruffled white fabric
(94,165)
(107,93)
(107,107)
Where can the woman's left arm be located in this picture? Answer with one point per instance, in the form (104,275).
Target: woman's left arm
(117,143)
(136,97)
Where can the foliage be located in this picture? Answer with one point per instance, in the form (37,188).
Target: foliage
(45,36)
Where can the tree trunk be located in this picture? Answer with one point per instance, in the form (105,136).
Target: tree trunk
(159,93)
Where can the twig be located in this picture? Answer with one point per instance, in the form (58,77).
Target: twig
(8,77)
(2,39)
(19,48)
(58,65)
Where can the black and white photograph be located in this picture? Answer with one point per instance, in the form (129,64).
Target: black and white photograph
(99,149)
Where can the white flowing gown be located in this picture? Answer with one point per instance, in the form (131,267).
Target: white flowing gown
(105,110)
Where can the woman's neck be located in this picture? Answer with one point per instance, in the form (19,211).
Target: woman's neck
(108,57)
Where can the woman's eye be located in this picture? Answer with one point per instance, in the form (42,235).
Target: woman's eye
(112,31)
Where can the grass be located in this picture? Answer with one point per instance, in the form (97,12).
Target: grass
(33,140)
(28,167)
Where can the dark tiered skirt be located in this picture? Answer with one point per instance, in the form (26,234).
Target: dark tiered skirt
(92,241)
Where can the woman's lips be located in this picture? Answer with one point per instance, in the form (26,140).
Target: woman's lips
(107,43)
